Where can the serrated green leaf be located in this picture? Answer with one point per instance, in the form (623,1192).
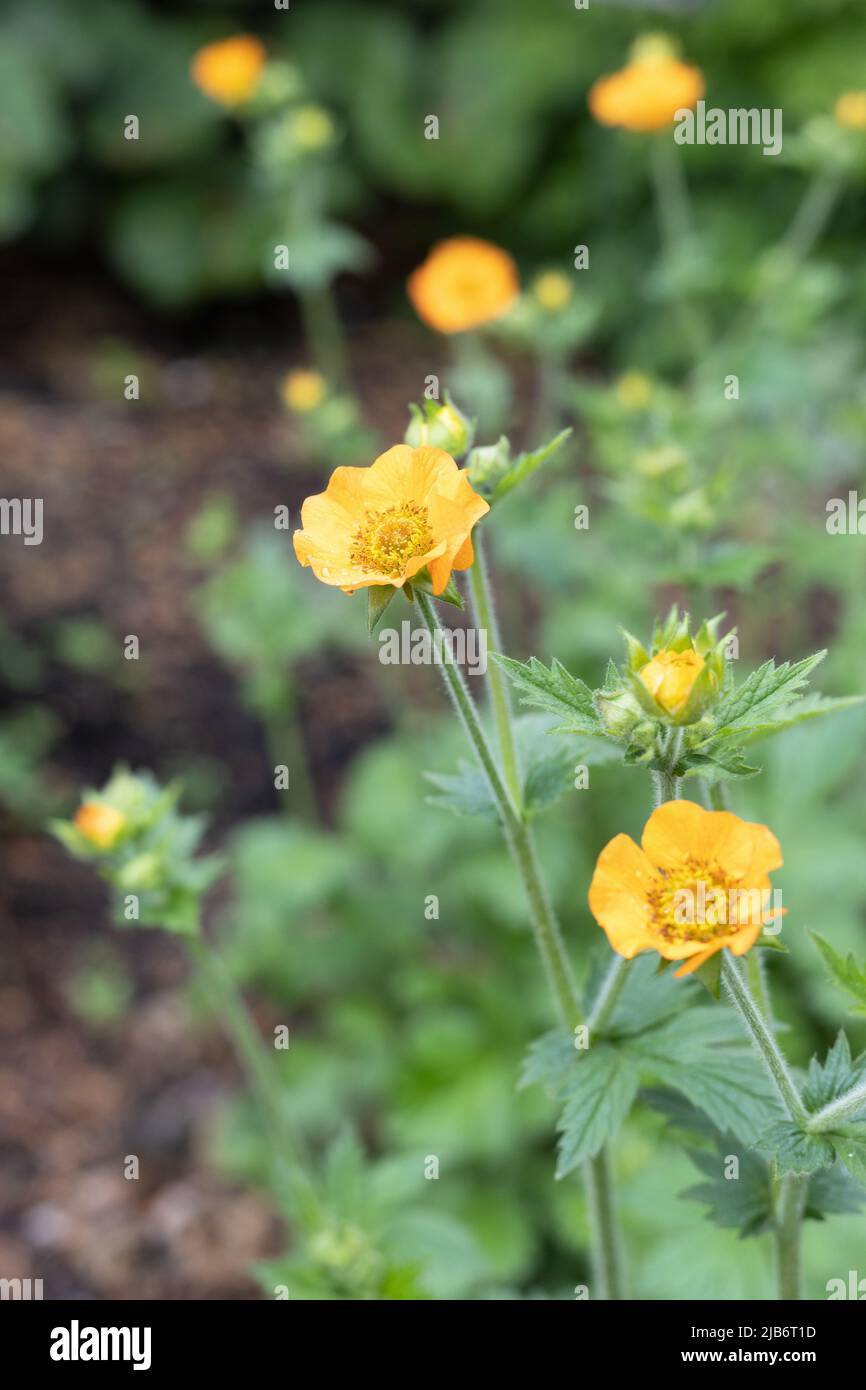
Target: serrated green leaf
(833,1190)
(465,792)
(744,1202)
(556,691)
(851,1153)
(525,465)
(827,1081)
(598,1095)
(847,974)
(696,1053)
(767,691)
(793,1150)
(548,1060)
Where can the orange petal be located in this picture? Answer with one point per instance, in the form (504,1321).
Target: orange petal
(618,893)
(696,961)
(680,830)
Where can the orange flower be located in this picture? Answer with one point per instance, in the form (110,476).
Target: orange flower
(99,823)
(648,92)
(380,525)
(229,71)
(669,677)
(463,283)
(699,883)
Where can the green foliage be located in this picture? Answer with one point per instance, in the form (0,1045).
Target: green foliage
(548,772)
(652,1039)
(845,972)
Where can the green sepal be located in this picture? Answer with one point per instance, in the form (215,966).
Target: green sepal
(767,942)
(378,598)
(710,975)
(450,594)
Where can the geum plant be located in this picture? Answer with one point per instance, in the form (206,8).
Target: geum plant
(358,1229)
(697,892)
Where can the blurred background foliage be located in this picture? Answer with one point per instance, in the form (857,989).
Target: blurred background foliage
(407,1030)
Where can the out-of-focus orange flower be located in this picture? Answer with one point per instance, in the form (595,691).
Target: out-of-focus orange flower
(850,110)
(463,283)
(646,94)
(699,882)
(99,823)
(669,677)
(228,71)
(303,391)
(380,525)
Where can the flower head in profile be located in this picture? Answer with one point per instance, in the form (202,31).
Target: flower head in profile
(850,110)
(464,283)
(698,882)
(229,71)
(646,94)
(412,509)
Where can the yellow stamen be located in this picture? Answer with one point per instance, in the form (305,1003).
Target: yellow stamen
(388,540)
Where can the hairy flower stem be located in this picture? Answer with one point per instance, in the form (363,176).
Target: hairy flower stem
(485,613)
(606,1261)
(842,1110)
(667,786)
(761,1034)
(789,1206)
(228,1006)
(790,1189)
(518,837)
(604,1232)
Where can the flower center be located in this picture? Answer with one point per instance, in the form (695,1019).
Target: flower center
(699,903)
(387,540)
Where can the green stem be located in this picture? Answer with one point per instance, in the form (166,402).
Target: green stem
(228,1005)
(789,1190)
(839,1111)
(286,748)
(716,795)
(605,1248)
(549,377)
(608,1272)
(518,837)
(789,1205)
(675,223)
(611,988)
(756,978)
(324,333)
(762,1035)
(811,217)
(482,600)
